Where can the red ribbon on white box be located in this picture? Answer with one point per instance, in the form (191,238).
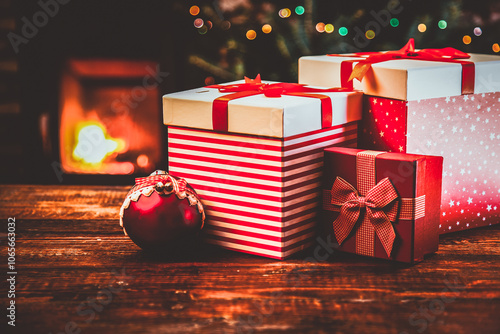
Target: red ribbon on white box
(448,55)
(256,87)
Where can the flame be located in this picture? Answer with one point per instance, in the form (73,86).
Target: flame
(93,143)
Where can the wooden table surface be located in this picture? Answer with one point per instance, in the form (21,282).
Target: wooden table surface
(78,273)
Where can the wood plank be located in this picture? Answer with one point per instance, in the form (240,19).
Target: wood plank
(61,202)
(67,258)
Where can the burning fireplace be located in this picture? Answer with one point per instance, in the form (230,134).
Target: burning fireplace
(109,117)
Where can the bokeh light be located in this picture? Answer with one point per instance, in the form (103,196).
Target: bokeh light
(370,34)
(284,13)
(203,30)
(442,24)
(251,34)
(299,10)
(209,24)
(198,23)
(194,10)
(329,28)
(477,31)
(343,31)
(320,27)
(142,161)
(422,27)
(209,81)
(225,25)
(495,47)
(466,39)
(394,22)
(266,28)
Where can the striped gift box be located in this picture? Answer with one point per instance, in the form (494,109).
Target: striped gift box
(262,195)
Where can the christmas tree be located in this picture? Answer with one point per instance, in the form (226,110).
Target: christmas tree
(233,38)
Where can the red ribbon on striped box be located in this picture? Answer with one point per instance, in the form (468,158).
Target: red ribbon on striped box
(256,87)
(380,202)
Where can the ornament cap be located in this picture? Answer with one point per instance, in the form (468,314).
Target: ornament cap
(158,172)
(159,187)
(164,184)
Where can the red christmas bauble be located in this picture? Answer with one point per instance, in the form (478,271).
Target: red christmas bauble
(161,212)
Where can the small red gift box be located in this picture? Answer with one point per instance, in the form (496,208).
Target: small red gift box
(380,204)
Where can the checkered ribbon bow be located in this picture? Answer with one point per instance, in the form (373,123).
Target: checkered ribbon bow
(379,203)
(178,185)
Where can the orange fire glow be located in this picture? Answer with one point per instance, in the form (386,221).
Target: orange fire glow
(93,144)
(108,129)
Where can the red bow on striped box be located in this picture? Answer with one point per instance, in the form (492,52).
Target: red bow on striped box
(369,214)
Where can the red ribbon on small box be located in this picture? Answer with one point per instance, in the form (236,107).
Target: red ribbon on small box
(448,55)
(380,202)
(256,87)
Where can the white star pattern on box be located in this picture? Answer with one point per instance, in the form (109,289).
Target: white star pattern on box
(465,131)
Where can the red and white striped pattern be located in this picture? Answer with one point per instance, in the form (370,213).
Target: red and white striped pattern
(261,195)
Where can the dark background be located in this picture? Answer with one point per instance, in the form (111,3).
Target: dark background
(163,31)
